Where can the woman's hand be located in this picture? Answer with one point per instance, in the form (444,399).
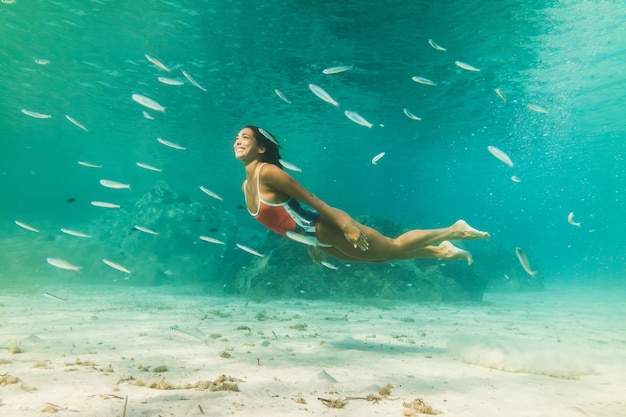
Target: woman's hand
(355,236)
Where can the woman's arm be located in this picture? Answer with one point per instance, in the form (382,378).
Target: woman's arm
(277,179)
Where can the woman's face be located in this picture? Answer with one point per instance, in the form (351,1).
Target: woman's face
(245,145)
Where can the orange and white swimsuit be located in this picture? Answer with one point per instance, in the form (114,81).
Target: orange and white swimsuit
(287,218)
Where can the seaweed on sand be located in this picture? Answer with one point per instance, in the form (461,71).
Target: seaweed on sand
(222,383)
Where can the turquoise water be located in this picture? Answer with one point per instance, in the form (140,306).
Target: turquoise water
(86,59)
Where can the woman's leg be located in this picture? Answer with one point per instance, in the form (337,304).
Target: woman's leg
(445,250)
(406,246)
(460,230)
(337,254)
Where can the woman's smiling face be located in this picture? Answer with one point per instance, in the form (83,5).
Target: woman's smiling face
(245,145)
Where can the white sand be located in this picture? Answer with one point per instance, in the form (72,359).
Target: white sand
(561,352)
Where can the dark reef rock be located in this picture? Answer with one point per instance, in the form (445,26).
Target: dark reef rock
(176,254)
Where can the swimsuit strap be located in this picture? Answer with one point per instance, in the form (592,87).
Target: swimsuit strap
(258,175)
(245,194)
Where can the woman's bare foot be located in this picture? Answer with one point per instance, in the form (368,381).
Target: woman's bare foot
(467,232)
(449,251)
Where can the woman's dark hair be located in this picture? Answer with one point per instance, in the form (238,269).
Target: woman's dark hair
(266,140)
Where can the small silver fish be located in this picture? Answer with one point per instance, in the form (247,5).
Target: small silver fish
(115,265)
(289,165)
(466,67)
(157,63)
(501,95)
(523,260)
(148,167)
(185,334)
(410,115)
(54,297)
(26,226)
(329,265)
(104,204)
(148,102)
(337,69)
(62,264)
(171,144)
(515,178)
(300,238)
(282,96)
(211,240)
(249,250)
(377,158)
(536,108)
(192,81)
(40,61)
(76,122)
(170,81)
(423,80)
(210,193)
(500,155)
(147,115)
(114,184)
(357,118)
(321,93)
(35,114)
(75,233)
(145,230)
(435,46)
(88,164)
(570,220)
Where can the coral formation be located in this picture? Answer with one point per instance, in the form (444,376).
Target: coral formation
(7,379)
(418,406)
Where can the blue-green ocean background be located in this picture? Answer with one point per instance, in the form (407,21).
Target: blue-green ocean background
(568,57)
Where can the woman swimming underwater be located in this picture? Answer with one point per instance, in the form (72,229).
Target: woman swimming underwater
(273,198)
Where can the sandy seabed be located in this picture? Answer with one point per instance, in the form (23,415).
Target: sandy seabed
(134,351)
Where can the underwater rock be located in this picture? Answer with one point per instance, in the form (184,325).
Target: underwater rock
(174,251)
(158,239)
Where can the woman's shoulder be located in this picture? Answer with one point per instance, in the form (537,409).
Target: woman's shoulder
(274,177)
(269,169)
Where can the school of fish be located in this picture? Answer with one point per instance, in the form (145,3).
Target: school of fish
(146,102)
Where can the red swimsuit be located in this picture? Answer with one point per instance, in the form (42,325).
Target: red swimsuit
(286,218)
